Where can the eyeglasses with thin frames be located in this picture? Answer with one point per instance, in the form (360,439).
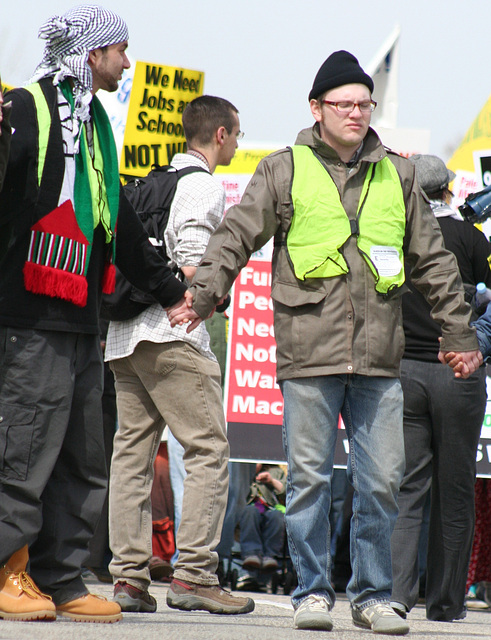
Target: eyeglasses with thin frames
(348,107)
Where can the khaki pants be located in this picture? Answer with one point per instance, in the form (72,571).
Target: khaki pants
(173,384)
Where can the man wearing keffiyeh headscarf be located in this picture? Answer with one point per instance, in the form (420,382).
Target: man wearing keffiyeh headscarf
(70,39)
(59,209)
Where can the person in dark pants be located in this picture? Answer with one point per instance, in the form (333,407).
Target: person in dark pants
(442,423)
(69,224)
(262,522)
(100,553)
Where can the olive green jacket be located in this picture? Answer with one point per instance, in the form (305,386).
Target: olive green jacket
(335,325)
(268,493)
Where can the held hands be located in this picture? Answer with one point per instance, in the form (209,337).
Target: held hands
(183,313)
(463,363)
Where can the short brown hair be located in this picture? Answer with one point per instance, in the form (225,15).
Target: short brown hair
(203,116)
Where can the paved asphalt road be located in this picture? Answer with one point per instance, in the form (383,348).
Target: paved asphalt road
(271,620)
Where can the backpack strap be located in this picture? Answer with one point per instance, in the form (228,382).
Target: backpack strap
(191,169)
(180,173)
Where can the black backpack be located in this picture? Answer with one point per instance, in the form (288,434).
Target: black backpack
(151,198)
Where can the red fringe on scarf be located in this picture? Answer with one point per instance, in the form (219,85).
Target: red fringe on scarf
(55,283)
(109,278)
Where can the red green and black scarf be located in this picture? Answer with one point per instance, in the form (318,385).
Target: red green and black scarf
(61,241)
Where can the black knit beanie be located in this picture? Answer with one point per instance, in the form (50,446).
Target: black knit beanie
(340,68)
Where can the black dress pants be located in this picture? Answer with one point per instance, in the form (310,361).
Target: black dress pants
(52,466)
(442,424)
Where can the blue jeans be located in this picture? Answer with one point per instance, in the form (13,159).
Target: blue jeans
(261,534)
(241,474)
(177,473)
(371,408)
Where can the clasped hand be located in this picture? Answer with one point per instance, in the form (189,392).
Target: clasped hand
(463,363)
(183,313)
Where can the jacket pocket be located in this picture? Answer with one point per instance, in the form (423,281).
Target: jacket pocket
(293,295)
(16,431)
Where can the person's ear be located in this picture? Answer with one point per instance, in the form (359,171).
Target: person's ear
(316,109)
(220,136)
(93,55)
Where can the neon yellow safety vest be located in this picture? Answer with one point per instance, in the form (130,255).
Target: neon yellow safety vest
(320,226)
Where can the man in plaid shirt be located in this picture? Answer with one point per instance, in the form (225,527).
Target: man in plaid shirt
(167,376)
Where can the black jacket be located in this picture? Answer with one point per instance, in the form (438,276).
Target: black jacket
(5,135)
(20,207)
(473,252)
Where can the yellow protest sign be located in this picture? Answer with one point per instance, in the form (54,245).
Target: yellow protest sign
(477,139)
(154,132)
(245,161)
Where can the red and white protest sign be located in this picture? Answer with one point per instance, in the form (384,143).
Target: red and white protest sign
(253,400)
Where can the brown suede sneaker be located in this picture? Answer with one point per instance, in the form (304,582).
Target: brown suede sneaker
(20,598)
(90,608)
(191,597)
(159,568)
(131,598)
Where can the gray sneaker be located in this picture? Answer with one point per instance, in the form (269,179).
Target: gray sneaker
(131,598)
(313,613)
(381,618)
(189,596)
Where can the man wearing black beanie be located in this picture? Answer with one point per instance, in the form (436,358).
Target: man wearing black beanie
(340,68)
(345,212)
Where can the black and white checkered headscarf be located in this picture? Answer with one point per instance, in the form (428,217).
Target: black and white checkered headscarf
(69,38)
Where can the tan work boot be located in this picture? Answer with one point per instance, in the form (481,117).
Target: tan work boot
(20,599)
(90,608)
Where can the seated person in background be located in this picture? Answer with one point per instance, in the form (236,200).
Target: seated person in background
(262,522)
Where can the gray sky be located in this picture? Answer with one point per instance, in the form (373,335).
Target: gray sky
(262,55)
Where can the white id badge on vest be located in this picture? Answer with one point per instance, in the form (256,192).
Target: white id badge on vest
(386,260)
